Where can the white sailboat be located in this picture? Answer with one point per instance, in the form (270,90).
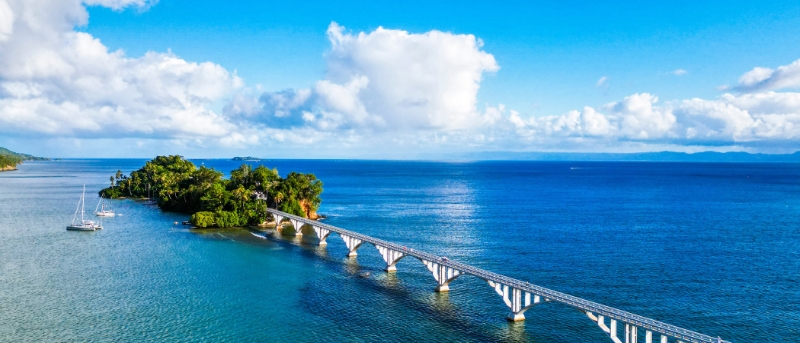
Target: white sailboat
(83,224)
(101,211)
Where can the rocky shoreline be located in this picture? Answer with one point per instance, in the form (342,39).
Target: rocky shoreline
(8,168)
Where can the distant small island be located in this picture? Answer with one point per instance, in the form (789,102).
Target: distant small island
(179,186)
(9,160)
(248,158)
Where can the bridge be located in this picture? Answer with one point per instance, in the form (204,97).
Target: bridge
(518,295)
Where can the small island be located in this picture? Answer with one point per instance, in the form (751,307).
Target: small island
(9,160)
(248,158)
(178,185)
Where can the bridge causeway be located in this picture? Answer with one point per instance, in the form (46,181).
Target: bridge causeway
(518,295)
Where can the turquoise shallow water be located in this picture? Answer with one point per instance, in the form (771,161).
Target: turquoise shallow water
(710,247)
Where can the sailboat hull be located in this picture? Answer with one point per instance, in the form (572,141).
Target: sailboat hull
(82,228)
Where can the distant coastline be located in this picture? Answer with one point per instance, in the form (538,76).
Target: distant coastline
(9,160)
(663,156)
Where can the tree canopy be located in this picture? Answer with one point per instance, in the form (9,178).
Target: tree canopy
(9,161)
(178,185)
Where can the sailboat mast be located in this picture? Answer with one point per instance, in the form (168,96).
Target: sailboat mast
(83,201)
(75,216)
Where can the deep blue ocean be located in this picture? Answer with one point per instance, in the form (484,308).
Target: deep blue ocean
(713,248)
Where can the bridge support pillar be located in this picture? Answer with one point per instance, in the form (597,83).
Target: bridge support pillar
(614,332)
(322,234)
(391,257)
(278,220)
(352,245)
(517,300)
(443,275)
(631,334)
(297,225)
(611,330)
(515,317)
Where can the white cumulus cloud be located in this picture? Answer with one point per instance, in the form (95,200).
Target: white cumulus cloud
(6,21)
(639,118)
(766,79)
(121,4)
(743,118)
(635,117)
(56,81)
(386,80)
(753,119)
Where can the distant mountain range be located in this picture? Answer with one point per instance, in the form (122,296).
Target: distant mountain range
(665,156)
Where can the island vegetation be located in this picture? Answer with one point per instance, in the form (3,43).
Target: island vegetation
(9,160)
(177,185)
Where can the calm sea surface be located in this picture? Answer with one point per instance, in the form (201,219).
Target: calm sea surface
(710,247)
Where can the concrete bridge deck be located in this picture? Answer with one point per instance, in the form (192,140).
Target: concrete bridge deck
(518,295)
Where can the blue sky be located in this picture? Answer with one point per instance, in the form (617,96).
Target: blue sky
(551,54)
(549,60)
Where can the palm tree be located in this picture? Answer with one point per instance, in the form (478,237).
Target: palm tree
(242,195)
(278,198)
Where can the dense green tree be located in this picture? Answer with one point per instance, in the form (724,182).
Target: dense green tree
(203,219)
(9,161)
(215,198)
(178,185)
(300,194)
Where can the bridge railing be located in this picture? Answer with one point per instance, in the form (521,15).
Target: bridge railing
(552,295)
